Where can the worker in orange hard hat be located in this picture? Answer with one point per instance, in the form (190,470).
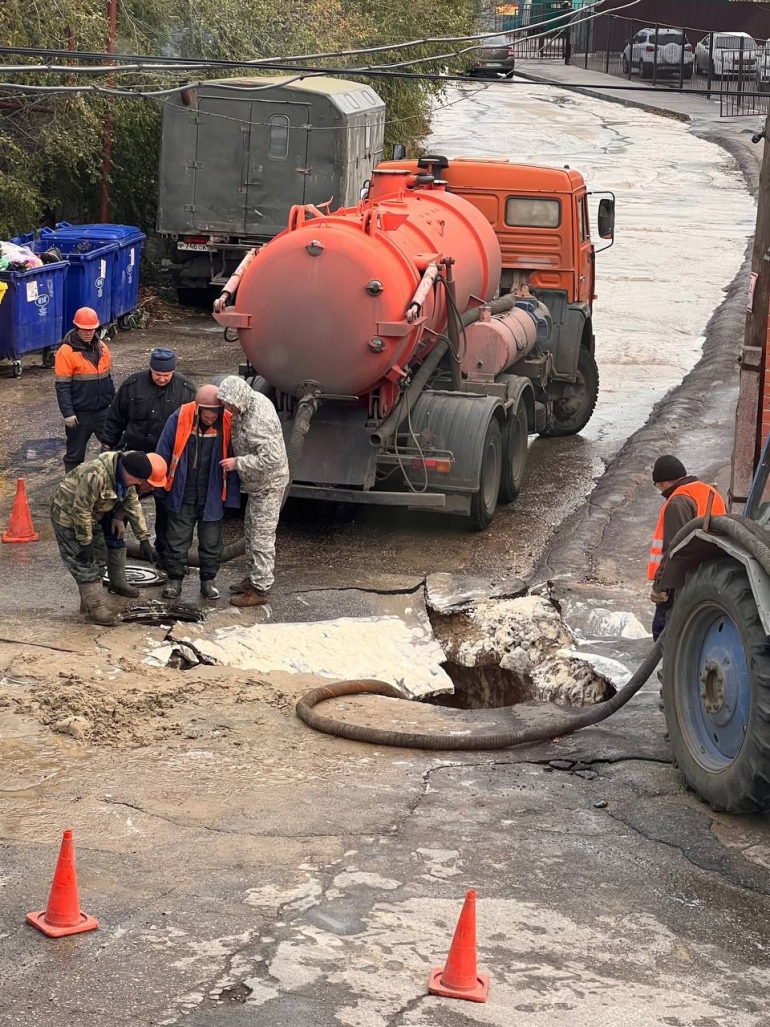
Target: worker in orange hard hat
(89,510)
(84,386)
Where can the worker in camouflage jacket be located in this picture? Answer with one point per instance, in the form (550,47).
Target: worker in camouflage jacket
(261,462)
(88,512)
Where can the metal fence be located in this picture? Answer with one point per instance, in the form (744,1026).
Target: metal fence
(729,67)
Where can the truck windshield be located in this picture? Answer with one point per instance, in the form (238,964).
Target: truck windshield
(527,212)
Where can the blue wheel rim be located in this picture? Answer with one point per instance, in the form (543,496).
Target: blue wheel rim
(713,688)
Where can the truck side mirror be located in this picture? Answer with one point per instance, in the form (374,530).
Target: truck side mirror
(606,218)
(399,152)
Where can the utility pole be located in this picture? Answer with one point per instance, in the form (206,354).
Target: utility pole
(752,416)
(104,189)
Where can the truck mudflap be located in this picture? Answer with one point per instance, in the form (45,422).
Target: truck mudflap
(449,428)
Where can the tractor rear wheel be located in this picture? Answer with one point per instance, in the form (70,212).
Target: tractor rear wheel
(716,688)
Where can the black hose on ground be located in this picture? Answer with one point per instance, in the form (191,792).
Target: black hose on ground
(556,728)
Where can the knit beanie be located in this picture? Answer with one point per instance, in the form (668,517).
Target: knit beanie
(668,468)
(137,464)
(162,360)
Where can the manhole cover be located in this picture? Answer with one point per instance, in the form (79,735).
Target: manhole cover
(142,577)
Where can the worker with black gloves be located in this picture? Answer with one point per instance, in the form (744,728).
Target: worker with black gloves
(138,413)
(84,386)
(87,512)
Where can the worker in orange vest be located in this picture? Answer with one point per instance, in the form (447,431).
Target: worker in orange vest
(84,386)
(686,498)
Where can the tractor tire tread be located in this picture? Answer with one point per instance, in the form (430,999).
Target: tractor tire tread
(743,786)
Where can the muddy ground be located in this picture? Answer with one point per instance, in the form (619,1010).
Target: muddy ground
(248,870)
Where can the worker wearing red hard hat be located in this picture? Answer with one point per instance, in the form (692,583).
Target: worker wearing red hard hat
(84,386)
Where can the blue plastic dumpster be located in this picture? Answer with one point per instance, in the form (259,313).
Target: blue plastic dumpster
(125,270)
(89,278)
(31,313)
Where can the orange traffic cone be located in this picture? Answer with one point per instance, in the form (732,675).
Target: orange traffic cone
(20,526)
(63,915)
(459,979)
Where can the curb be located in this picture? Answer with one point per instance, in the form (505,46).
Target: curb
(598,94)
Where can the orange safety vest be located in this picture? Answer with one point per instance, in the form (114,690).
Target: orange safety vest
(184,427)
(699,493)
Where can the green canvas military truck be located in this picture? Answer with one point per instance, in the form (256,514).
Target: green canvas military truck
(237,154)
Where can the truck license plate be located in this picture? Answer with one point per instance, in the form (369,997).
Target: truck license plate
(192,246)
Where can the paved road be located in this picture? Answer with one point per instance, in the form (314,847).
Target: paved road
(246,870)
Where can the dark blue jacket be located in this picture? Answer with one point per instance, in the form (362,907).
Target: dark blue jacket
(174,498)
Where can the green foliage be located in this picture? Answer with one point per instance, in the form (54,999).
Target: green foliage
(51,145)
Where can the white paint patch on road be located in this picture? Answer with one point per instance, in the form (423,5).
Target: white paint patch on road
(683,218)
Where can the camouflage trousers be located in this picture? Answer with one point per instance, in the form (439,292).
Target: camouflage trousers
(259,524)
(72,555)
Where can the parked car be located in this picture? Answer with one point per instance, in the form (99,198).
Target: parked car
(496,57)
(640,54)
(733,53)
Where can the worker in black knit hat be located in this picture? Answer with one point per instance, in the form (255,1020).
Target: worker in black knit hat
(138,415)
(686,498)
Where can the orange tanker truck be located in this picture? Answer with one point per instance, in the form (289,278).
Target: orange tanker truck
(412,343)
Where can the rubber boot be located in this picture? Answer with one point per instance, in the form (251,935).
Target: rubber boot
(209,590)
(116,572)
(173,589)
(98,610)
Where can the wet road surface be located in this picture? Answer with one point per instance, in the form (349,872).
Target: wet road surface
(657,288)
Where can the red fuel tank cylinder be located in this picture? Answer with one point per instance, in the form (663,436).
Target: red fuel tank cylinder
(347,299)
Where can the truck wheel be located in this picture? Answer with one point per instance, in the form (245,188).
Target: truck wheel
(484,501)
(515,449)
(716,689)
(575,404)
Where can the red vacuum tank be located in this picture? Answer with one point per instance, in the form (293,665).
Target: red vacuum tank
(327,300)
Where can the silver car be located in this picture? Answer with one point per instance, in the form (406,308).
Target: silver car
(733,53)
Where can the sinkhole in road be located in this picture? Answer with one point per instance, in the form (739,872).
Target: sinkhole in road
(484,688)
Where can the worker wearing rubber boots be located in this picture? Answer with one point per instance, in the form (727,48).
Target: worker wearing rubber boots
(686,497)
(84,386)
(195,443)
(87,509)
(261,462)
(138,414)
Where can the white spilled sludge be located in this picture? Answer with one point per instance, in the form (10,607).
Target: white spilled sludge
(684,215)
(399,652)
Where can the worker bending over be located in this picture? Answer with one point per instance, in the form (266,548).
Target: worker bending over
(261,462)
(686,498)
(195,443)
(84,386)
(88,512)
